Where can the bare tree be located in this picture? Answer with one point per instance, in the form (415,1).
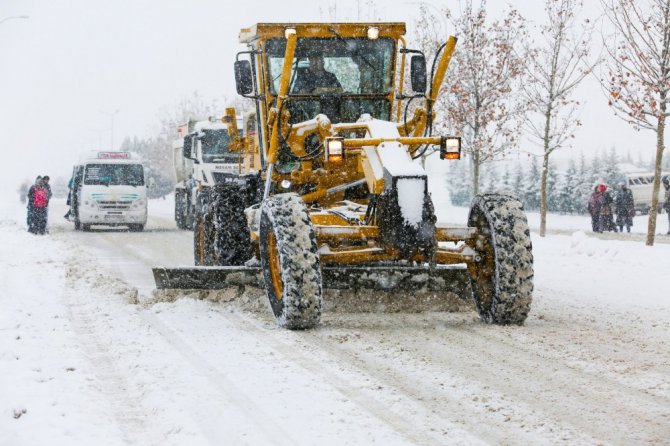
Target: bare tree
(636,77)
(557,67)
(480,99)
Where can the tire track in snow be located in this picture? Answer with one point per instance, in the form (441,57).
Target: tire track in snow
(458,400)
(261,430)
(601,357)
(124,400)
(267,429)
(594,406)
(261,421)
(402,423)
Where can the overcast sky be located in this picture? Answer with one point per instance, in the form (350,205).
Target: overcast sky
(73,62)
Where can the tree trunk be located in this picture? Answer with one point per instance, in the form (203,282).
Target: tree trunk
(653,211)
(545,169)
(475,175)
(543,195)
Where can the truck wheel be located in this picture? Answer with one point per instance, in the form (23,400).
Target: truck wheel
(203,233)
(136,228)
(290,262)
(85,227)
(197,224)
(179,209)
(77,225)
(502,281)
(232,244)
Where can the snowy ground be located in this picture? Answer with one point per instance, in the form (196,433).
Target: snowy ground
(86,359)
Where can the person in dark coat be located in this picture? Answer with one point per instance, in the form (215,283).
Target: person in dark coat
(624,207)
(47,186)
(316,79)
(70,184)
(38,199)
(606,214)
(595,201)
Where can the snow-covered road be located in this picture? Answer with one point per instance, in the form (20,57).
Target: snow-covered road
(87,356)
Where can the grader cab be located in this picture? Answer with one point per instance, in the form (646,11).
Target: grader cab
(338,200)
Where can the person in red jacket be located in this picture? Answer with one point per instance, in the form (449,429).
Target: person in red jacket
(30,204)
(38,197)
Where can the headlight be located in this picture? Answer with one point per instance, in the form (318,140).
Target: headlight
(285,184)
(450,148)
(334,149)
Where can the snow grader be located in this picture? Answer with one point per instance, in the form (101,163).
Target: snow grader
(329,195)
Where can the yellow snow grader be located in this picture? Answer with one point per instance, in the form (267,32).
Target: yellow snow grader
(328,194)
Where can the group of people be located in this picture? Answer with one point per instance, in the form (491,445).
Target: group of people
(602,207)
(39,195)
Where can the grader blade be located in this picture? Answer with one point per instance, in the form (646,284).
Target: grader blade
(206,277)
(396,278)
(384,278)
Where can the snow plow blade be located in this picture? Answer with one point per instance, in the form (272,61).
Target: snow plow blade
(387,278)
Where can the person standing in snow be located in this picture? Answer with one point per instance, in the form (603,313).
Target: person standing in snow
(70,185)
(606,217)
(38,199)
(624,206)
(29,212)
(595,201)
(47,186)
(666,203)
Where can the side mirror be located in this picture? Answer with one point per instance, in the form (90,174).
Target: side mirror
(243,77)
(417,71)
(188,146)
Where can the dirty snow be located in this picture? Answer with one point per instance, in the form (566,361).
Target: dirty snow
(84,363)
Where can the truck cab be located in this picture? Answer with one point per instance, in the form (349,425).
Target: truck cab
(203,157)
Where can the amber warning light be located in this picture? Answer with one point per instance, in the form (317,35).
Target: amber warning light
(450,148)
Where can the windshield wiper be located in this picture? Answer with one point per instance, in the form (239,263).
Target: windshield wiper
(356,52)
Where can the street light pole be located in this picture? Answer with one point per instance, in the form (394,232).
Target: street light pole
(111,116)
(15,17)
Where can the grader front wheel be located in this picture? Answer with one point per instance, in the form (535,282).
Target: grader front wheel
(502,281)
(290,262)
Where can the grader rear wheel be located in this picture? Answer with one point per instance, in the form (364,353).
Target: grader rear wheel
(290,262)
(502,281)
(203,233)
